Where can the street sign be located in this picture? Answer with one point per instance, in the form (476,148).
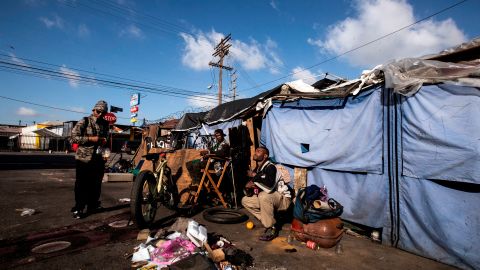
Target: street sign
(134,109)
(115,109)
(133,115)
(110,118)
(133,120)
(134,99)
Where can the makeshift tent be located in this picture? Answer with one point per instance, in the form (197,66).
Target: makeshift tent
(403,158)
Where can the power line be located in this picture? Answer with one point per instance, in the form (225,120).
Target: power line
(47,106)
(96,81)
(360,46)
(108,75)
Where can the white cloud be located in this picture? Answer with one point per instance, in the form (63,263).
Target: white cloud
(273,4)
(56,21)
(203,101)
(376,18)
(71,75)
(250,56)
(306,75)
(83,30)
(23,111)
(132,31)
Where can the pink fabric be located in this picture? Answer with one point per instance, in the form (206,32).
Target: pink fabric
(172,250)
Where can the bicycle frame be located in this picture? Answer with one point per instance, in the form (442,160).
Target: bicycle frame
(159,172)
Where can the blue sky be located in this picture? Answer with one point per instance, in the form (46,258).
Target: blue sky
(166,45)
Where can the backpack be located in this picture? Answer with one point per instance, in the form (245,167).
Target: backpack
(307,213)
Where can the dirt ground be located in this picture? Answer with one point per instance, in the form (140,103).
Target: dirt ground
(96,245)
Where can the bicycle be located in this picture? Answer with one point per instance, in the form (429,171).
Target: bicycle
(152,188)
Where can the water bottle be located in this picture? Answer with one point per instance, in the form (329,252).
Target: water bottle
(99,150)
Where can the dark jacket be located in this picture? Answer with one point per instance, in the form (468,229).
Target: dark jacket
(220,149)
(88,126)
(266,177)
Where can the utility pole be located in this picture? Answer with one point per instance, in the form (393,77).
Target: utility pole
(221,50)
(233,79)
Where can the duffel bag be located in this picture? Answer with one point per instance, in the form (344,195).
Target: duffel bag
(305,212)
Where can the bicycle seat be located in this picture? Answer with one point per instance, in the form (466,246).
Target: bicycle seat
(152,156)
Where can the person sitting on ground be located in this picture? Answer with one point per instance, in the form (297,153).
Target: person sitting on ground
(220,148)
(270,193)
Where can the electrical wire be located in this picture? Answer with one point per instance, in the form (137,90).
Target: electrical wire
(48,106)
(96,81)
(107,75)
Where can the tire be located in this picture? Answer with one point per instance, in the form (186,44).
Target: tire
(224,215)
(170,193)
(143,201)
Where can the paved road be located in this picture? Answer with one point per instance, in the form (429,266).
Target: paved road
(43,160)
(95,245)
(36,160)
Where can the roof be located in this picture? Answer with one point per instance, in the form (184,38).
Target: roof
(169,124)
(47,133)
(8,131)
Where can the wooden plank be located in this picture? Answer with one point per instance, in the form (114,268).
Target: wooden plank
(251,131)
(299,178)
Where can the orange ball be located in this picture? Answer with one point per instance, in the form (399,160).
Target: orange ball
(249,225)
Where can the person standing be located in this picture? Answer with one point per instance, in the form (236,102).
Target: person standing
(90,133)
(270,193)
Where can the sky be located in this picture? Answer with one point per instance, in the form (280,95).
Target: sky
(59,57)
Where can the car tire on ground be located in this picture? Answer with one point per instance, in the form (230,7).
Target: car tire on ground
(224,215)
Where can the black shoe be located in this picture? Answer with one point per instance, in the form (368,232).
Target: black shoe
(269,234)
(78,214)
(95,210)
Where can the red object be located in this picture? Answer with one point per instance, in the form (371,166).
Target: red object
(110,118)
(312,245)
(74,147)
(134,109)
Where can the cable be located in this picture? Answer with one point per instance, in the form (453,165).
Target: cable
(95,81)
(360,46)
(47,106)
(107,75)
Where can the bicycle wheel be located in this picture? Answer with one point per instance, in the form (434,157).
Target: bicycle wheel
(143,199)
(170,192)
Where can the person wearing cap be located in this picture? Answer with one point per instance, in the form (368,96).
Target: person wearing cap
(90,133)
(270,193)
(220,148)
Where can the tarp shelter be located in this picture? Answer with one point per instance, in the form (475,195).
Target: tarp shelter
(403,158)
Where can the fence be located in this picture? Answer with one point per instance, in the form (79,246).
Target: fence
(34,143)
(46,143)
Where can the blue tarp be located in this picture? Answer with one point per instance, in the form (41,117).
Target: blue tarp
(441,133)
(440,222)
(408,165)
(334,134)
(439,191)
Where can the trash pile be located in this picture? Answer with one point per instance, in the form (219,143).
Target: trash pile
(187,245)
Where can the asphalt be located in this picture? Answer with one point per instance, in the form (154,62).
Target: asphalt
(94,244)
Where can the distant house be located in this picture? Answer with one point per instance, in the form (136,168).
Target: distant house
(9,136)
(39,136)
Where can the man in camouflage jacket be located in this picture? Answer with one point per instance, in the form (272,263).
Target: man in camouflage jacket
(90,133)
